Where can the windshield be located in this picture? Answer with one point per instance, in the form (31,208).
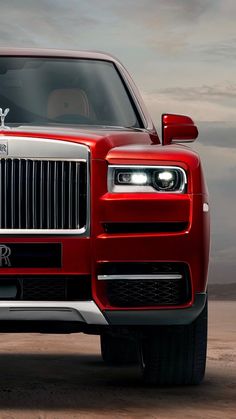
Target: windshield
(42,91)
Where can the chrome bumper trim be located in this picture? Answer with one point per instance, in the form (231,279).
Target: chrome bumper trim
(138,277)
(80,311)
(31,231)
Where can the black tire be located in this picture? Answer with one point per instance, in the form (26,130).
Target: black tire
(118,350)
(176,355)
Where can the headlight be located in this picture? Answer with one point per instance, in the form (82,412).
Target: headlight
(165,179)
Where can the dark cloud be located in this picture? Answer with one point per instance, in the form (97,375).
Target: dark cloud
(218,134)
(188,10)
(205,102)
(203,92)
(152,11)
(51,23)
(225,49)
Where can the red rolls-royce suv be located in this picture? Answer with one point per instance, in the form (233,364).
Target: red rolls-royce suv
(104,226)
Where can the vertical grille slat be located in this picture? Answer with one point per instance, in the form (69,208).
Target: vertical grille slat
(55,197)
(27,194)
(62,194)
(42,194)
(13,194)
(19,225)
(5,195)
(76,195)
(48,194)
(70,195)
(34,205)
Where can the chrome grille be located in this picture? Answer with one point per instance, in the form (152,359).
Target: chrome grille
(41,194)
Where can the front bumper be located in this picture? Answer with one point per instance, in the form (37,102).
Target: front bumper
(54,311)
(162,317)
(82,256)
(88,313)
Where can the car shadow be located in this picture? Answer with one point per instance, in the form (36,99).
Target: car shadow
(78,381)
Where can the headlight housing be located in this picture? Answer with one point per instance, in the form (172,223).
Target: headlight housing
(133,178)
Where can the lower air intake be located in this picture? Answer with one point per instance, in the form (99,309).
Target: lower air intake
(144,293)
(144,284)
(41,288)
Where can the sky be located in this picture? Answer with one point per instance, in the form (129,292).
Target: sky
(182,56)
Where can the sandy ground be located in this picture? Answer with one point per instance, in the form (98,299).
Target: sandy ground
(62,376)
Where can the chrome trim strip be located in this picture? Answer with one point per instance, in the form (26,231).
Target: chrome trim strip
(141,188)
(137,277)
(33,148)
(81,231)
(26,192)
(19,192)
(48,194)
(83,311)
(44,148)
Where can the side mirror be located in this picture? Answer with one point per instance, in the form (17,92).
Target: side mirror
(178,128)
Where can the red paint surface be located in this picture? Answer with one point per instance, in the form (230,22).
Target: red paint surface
(178,127)
(81,255)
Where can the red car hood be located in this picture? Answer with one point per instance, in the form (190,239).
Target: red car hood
(99,140)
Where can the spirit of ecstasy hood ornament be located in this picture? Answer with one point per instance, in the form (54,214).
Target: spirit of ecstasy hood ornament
(3,116)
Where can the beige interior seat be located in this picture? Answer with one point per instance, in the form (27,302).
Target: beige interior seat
(68,102)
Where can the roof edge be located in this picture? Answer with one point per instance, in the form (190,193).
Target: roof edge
(52,52)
